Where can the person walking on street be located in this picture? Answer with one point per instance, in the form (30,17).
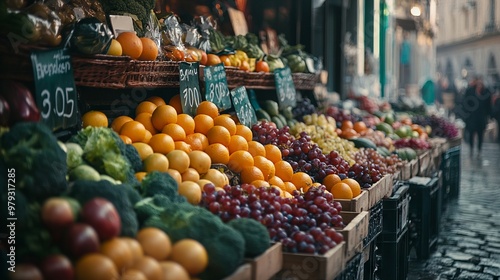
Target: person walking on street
(477,105)
(496,113)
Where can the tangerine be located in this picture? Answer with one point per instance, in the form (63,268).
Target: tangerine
(175,131)
(212,59)
(265,165)
(143,149)
(162,143)
(149,49)
(175,102)
(203,123)
(156,100)
(207,108)
(197,141)
(95,118)
(283,170)
(118,122)
(354,185)
(191,191)
(273,153)
(186,122)
(145,119)
(140,175)
(276,181)
(181,145)
(131,44)
(360,127)
(145,107)
(200,161)
(171,271)
(156,162)
(134,130)
(190,254)
(218,153)
(330,180)
(237,143)
(218,134)
(190,175)
(226,122)
(244,131)
(255,148)
(239,160)
(260,184)
(250,174)
(302,181)
(216,177)
(290,187)
(147,137)
(178,160)
(341,191)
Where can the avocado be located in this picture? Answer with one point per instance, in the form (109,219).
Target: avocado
(385,127)
(261,114)
(84,172)
(271,107)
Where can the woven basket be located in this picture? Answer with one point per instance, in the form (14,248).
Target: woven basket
(305,81)
(101,71)
(235,77)
(259,80)
(153,74)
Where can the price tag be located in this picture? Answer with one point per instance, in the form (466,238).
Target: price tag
(285,87)
(216,90)
(190,87)
(242,106)
(253,99)
(55,90)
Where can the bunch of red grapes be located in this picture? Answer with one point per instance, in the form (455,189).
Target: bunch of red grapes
(305,223)
(414,143)
(341,115)
(386,165)
(440,126)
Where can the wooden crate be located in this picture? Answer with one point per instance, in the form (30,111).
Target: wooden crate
(244,272)
(355,230)
(268,264)
(414,167)
(357,204)
(457,141)
(379,190)
(424,163)
(405,171)
(298,266)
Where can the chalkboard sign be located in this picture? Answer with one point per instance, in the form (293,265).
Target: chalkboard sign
(242,106)
(285,87)
(190,87)
(55,90)
(253,99)
(216,90)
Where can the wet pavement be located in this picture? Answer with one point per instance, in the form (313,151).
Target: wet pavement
(469,241)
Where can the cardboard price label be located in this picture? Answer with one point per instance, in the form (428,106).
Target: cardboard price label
(55,90)
(189,87)
(285,88)
(242,106)
(216,89)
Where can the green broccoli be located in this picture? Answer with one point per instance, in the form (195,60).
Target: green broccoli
(225,246)
(32,152)
(119,195)
(257,239)
(74,153)
(147,208)
(133,157)
(139,8)
(159,183)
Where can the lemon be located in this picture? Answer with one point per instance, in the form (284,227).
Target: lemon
(115,48)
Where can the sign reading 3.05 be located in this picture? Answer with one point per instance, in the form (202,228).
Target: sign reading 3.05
(242,106)
(190,87)
(55,90)
(285,87)
(216,90)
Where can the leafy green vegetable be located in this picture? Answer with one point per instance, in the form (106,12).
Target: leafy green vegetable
(257,239)
(139,8)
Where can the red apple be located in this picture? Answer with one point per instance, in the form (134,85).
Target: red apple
(57,267)
(81,239)
(59,213)
(103,217)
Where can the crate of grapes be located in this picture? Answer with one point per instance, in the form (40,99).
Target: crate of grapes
(356,204)
(354,232)
(268,264)
(379,190)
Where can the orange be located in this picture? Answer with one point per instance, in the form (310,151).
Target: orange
(203,182)
(244,131)
(219,134)
(162,143)
(197,141)
(360,127)
(261,66)
(175,102)
(260,184)
(181,145)
(133,274)
(330,180)
(172,271)
(283,170)
(354,185)
(190,254)
(207,108)
(156,162)
(117,123)
(218,153)
(204,58)
(265,165)
(250,174)
(145,119)
(155,243)
(290,187)
(225,60)
(186,122)
(95,118)
(203,123)
(145,107)
(346,124)
(143,149)
(190,175)
(126,139)
(349,133)
(178,160)
(276,181)
(212,59)
(341,191)
(175,131)
(147,137)
(118,251)
(273,153)
(134,130)
(239,160)
(156,100)
(216,177)
(131,44)
(256,149)
(115,48)
(149,49)
(163,115)
(226,122)
(302,181)
(245,66)
(200,161)
(176,175)
(237,143)
(140,175)
(95,266)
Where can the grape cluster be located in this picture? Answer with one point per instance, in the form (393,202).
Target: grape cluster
(365,173)
(305,223)
(303,107)
(414,143)
(441,127)
(341,115)
(387,165)
(265,133)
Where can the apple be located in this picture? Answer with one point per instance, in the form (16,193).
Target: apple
(81,239)
(57,267)
(26,271)
(58,213)
(103,217)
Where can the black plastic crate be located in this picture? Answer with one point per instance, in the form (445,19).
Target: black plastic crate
(425,214)
(375,223)
(392,256)
(370,267)
(396,209)
(450,167)
(353,269)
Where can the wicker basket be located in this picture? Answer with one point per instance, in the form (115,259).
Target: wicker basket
(153,74)
(305,81)
(259,80)
(234,77)
(101,71)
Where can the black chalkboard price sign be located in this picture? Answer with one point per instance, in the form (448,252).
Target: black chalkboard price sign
(190,87)
(55,90)
(216,90)
(285,87)
(242,106)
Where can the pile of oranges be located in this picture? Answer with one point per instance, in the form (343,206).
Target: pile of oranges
(127,43)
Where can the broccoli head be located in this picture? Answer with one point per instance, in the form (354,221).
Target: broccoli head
(256,236)
(139,8)
(159,183)
(119,195)
(31,151)
(150,206)
(133,157)
(225,246)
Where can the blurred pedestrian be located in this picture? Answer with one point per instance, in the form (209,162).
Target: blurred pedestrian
(477,106)
(496,112)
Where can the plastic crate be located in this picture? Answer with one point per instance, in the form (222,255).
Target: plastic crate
(425,214)
(392,256)
(353,269)
(375,223)
(450,167)
(370,266)
(396,209)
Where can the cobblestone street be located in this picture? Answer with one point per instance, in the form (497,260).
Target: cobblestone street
(469,240)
